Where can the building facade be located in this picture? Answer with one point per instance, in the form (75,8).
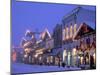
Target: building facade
(73,43)
(77,22)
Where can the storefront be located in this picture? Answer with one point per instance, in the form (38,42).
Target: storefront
(86,50)
(74,57)
(67,57)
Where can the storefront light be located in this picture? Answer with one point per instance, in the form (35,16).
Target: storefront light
(28,50)
(67,33)
(25,56)
(64,54)
(69,54)
(40,50)
(64,34)
(81,60)
(87,60)
(74,51)
(36,55)
(94,57)
(51,60)
(78,57)
(75,25)
(40,58)
(71,33)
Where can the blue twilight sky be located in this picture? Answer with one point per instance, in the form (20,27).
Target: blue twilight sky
(36,16)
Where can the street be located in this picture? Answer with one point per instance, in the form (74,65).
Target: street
(25,68)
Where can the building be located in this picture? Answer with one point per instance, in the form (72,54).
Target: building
(78,16)
(43,47)
(57,35)
(17,54)
(78,21)
(72,43)
(86,38)
(27,43)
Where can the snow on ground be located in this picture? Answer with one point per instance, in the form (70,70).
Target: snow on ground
(25,68)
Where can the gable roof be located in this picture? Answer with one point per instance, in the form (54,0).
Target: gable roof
(82,30)
(45,34)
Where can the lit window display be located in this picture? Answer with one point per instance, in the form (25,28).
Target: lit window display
(94,58)
(71,32)
(56,60)
(81,59)
(14,55)
(75,26)
(40,58)
(25,56)
(36,55)
(28,50)
(51,59)
(69,57)
(87,60)
(64,55)
(64,34)
(67,36)
(47,59)
(74,53)
(87,56)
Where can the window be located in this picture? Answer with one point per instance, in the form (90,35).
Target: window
(75,28)
(74,51)
(71,33)
(88,40)
(67,33)
(64,55)
(51,59)
(63,34)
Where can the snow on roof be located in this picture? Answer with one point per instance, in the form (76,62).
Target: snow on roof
(44,34)
(80,28)
(81,10)
(27,31)
(76,10)
(77,31)
(38,41)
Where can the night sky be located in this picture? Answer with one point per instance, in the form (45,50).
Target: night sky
(36,17)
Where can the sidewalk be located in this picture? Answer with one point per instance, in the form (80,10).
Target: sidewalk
(25,68)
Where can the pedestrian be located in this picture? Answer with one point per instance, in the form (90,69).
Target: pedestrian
(91,58)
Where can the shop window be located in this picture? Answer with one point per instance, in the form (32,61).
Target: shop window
(88,40)
(51,59)
(71,32)
(64,34)
(67,35)
(75,28)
